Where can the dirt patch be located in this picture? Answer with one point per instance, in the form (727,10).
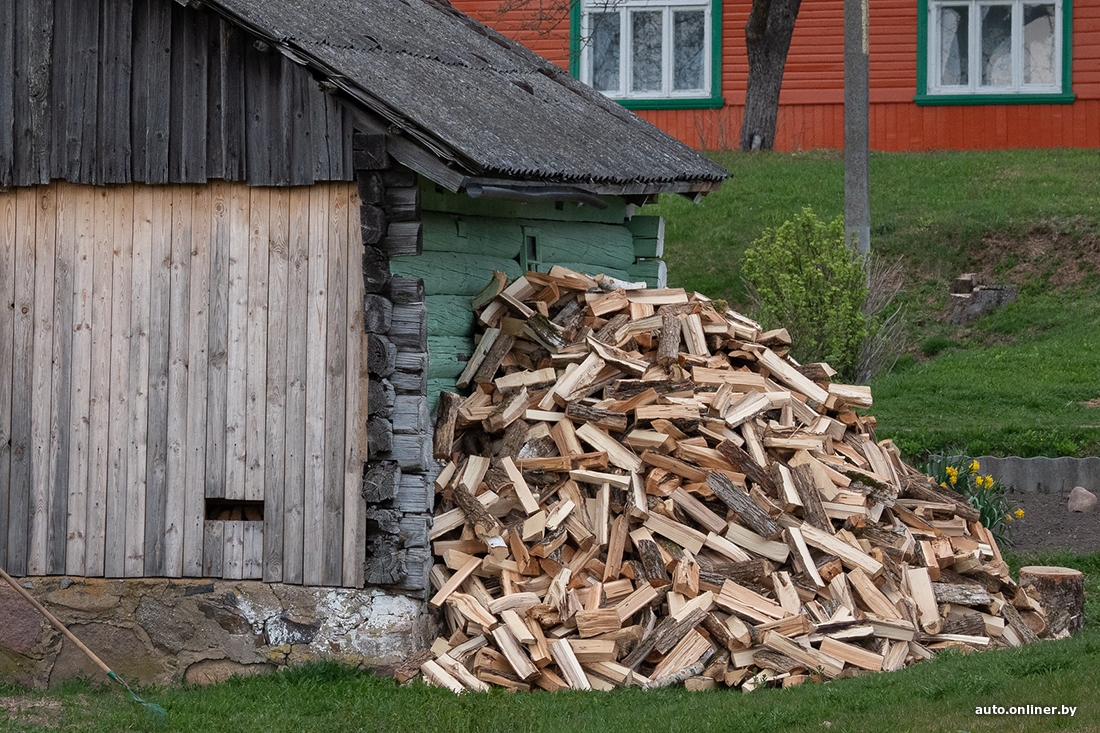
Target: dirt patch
(1049,526)
(1049,251)
(41,713)
(1094,402)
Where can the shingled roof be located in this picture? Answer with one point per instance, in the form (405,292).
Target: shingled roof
(486,108)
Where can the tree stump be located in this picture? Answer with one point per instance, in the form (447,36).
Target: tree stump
(1061,592)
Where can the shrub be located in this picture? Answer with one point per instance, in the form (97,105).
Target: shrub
(803,277)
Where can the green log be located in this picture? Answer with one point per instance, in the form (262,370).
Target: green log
(601,245)
(433,198)
(449,315)
(586,268)
(447,356)
(451,273)
(492,237)
(654,272)
(649,235)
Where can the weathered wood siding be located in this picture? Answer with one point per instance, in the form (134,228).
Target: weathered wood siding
(161,346)
(150,91)
(811,111)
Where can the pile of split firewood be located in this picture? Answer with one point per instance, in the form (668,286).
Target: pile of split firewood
(643,489)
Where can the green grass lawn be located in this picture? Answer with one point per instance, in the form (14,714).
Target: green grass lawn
(1014,382)
(940,695)
(932,208)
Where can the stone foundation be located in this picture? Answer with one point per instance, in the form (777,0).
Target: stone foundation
(170,631)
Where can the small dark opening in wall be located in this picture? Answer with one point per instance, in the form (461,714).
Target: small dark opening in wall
(559,205)
(532,248)
(247,511)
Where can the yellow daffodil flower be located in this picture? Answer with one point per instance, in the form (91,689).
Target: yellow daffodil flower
(975,466)
(1019,513)
(1008,517)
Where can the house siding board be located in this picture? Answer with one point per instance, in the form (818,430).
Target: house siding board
(118,91)
(811,103)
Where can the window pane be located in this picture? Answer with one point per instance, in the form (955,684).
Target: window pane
(954,21)
(996,45)
(605,40)
(646,30)
(688,36)
(1038,44)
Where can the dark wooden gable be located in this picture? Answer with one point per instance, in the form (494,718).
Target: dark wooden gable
(120,91)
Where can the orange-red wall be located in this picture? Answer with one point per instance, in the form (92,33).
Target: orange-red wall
(811,112)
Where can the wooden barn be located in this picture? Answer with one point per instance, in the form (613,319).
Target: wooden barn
(237,244)
(944,74)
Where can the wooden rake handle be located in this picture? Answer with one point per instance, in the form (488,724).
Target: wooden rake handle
(53,620)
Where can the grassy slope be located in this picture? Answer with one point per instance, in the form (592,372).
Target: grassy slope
(1012,383)
(936,696)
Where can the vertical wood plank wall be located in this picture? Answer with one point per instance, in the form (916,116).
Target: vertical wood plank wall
(165,345)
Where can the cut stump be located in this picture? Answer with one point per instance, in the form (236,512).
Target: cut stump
(1061,592)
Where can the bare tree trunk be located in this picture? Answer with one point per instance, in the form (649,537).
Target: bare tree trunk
(767,40)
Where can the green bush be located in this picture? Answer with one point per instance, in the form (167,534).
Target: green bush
(803,277)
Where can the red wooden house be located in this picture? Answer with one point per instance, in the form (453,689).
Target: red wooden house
(945,74)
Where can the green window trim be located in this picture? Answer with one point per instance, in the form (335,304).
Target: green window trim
(714,101)
(924,99)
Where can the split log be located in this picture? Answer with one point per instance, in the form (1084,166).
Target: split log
(739,501)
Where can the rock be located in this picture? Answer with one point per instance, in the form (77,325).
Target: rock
(22,622)
(121,648)
(1081,500)
(213,671)
(283,630)
(91,596)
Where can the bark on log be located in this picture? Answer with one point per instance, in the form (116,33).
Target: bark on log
(918,488)
(489,365)
(744,463)
(446,414)
(668,351)
(739,501)
(1061,593)
(812,509)
(963,595)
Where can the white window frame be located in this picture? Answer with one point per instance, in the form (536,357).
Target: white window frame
(625,8)
(935,38)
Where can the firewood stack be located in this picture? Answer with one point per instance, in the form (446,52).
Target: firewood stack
(642,489)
